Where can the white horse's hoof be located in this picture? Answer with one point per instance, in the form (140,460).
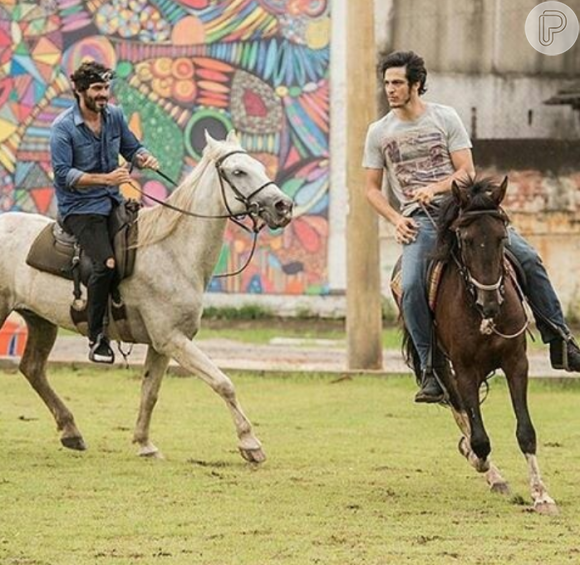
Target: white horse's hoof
(150,452)
(546,508)
(253,455)
(502,488)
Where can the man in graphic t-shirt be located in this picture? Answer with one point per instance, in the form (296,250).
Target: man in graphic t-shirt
(422,147)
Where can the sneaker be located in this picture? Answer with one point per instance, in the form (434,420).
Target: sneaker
(430,391)
(565,354)
(100,350)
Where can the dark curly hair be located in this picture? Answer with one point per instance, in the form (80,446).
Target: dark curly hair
(90,72)
(414,64)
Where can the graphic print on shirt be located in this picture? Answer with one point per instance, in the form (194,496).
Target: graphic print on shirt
(417,158)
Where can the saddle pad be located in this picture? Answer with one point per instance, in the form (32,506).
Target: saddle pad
(50,256)
(433,278)
(434,275)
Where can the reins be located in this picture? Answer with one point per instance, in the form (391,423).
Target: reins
(252,208)
(487,326)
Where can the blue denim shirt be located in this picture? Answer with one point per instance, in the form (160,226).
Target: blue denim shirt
(76,150)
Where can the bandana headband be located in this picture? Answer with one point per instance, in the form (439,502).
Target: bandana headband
(93,77)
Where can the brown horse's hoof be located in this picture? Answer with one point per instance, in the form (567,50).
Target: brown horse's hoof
(502,488)
(74,442)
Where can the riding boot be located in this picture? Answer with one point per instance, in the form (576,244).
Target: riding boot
(100,350)
(565,354)
(430,391)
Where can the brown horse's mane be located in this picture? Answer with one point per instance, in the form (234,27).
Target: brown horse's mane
(479,193)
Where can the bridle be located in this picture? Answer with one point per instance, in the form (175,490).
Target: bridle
(487,326)
(252,208)
(473,285)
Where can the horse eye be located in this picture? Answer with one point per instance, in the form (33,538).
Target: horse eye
(238,173)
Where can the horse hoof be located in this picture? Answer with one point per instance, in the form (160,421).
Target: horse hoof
(502,488)
(74,442)
(153,455)
(546,508)
(253,455)
(150,452)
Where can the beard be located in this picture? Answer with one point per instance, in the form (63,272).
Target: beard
(92,103)
(401,104)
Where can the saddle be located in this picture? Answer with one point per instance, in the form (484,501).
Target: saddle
(57,252)
(435,272)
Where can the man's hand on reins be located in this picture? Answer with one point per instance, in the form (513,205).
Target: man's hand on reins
(425,194)
(119,176)
(147,161)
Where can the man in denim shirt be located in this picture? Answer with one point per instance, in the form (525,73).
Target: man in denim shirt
(85,143)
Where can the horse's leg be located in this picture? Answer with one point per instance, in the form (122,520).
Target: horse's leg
(517,376)
(493,477)
(191,358)
(41,338)
(155,367)
(468,388)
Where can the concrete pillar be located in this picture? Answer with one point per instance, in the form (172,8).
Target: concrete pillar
(363,295)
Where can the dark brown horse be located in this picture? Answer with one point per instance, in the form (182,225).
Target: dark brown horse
(480,323)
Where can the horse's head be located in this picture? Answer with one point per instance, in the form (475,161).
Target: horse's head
(246,188)
(480,227)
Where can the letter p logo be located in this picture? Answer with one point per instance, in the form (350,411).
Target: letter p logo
(552,27)
(551,23)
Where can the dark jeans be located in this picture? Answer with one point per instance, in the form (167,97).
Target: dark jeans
(540,292)
(93,234)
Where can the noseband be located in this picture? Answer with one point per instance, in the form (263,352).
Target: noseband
(473,285)
(487,326)
(252,209)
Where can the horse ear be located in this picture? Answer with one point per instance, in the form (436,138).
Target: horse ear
(211,142)
(499,193)
(458,194)
(233,137)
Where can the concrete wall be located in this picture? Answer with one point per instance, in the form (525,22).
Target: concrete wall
(496,106)
(476,37)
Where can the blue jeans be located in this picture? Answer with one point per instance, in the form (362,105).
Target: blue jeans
(415,305)
(540,292)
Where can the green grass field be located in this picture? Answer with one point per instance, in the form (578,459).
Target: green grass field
(301,329)
(357,474)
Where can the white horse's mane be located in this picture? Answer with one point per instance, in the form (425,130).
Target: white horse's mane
(158,222)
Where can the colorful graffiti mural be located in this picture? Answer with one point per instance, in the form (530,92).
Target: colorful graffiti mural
(184,66)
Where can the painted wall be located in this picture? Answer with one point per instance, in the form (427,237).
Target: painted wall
(183,66)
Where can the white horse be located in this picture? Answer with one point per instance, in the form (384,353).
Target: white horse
(175,260)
